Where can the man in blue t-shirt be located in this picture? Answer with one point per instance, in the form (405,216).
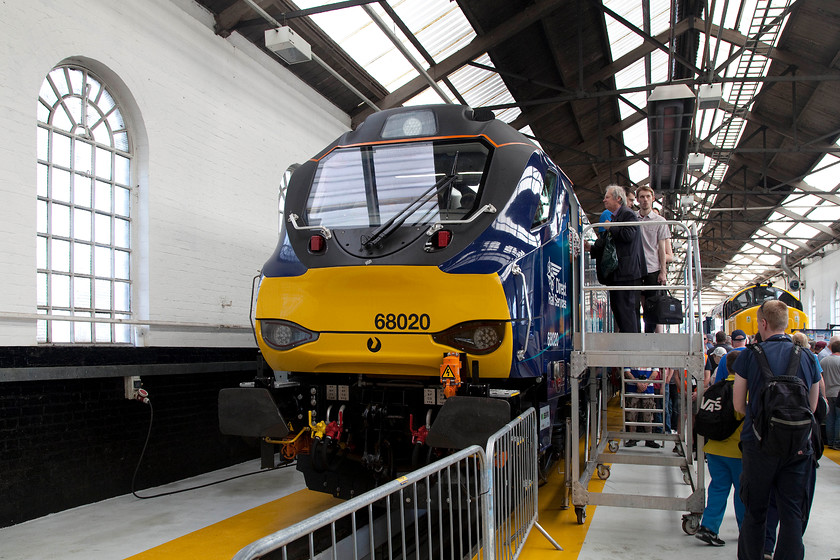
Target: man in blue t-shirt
(739,342)
(788,477)
(640,395)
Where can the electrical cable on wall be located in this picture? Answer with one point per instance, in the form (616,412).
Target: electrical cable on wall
(143,396)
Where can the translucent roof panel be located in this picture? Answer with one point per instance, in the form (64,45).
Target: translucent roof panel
(439,25)
(622,39)
(362,39)
(481,87)
(825,175)
(825,213)
(802,230)
(723,129)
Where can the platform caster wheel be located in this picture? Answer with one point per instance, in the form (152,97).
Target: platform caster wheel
(690,523)
(580,512)
(613,446)
(603,472)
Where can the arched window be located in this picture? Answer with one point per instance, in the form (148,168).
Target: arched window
(84,203)
(812,315)
(835,305)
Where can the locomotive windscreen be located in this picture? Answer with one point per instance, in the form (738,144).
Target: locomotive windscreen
(368,185)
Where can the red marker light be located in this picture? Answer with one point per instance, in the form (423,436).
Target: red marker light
(442,238)
(317,244)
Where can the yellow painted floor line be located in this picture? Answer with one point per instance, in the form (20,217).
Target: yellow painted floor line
(562,524)
(224,539)
(832,454)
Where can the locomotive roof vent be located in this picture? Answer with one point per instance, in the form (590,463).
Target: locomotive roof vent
(412,123)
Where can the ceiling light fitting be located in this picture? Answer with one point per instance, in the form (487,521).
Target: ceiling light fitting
(288,45)
(670,114)
(709,96)
(695,162)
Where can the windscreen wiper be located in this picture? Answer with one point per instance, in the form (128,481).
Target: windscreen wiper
(392,225)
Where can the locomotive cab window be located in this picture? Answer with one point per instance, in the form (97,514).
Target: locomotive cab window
(418,182)
(742,301)
(546,200)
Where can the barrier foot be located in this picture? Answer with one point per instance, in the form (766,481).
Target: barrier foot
(547,536)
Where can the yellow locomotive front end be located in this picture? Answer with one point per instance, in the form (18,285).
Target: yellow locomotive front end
(740,311)
(746,320)
(383,320)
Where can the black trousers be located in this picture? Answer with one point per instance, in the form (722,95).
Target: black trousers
(625,307)
(788,479)
(650,279)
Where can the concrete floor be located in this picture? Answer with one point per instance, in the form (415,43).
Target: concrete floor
(217,521)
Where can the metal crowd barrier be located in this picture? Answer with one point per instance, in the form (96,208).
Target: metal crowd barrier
(471,504)
(514,479)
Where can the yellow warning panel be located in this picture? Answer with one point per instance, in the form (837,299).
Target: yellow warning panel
(447,373)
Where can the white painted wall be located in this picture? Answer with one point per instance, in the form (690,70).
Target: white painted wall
(820,279)
(215,123)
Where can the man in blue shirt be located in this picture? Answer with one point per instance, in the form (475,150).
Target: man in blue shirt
(739,342)
(788,477)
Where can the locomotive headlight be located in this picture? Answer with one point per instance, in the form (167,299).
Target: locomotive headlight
(285,335)
(474,337)
(421,122)
(485,337)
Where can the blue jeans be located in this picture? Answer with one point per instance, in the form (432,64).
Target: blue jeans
(832,423)
(725,473)
(789,478)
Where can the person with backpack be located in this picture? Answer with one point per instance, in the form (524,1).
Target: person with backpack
(800,339)
(783,388)
(631,262)
(723,457)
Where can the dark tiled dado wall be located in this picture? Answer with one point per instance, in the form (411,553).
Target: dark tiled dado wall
(71,441)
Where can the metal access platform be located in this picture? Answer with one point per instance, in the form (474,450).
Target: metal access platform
(594,356)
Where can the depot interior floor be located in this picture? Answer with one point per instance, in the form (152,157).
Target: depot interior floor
(216,521)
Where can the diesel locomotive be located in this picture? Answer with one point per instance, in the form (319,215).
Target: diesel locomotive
(739,310)
(422,294)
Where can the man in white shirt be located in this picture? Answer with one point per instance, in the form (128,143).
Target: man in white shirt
(655,241)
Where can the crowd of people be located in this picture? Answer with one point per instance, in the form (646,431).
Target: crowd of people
(772,494)
(772,491)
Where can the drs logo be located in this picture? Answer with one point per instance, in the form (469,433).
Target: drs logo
(402,322)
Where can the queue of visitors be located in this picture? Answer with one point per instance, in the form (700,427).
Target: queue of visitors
(773,475)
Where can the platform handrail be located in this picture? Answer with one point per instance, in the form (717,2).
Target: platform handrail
(692,264)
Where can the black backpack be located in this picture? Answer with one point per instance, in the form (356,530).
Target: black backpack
(783,423)
(716,417)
